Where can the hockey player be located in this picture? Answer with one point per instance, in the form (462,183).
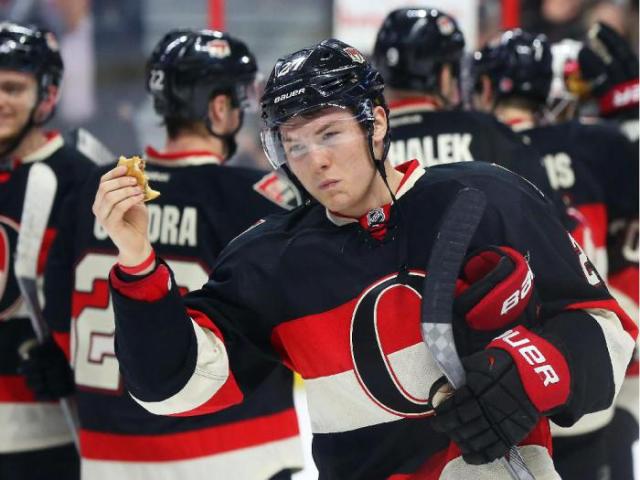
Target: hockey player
(331,290)
(418,52)
(33,433)
(512,77)
(610,68)
(200,81)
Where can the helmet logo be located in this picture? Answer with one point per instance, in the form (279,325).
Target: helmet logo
(506,85)
(375,217)
(354,54)
(393,56)
(218,48)
(52,42)
(284,96)
(445,25)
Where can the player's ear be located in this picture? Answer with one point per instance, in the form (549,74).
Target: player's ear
(449,85)
(380,124)
(47,104)
(486,93)
(219,108)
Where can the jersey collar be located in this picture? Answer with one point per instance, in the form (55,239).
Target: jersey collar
(412,104)
(375,220)
(182,159)
(53,143)
(520,124)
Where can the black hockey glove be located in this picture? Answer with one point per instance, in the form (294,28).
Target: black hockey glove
(519,377)
(610,66)
(46,369)
(495,292)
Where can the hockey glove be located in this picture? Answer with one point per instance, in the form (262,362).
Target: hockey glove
(520,377)
(46,369)
(611,68)
(495,292)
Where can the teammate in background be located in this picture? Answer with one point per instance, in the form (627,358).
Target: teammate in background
(201,82)
(418,52)
(33,433)
(330,290)
(610,67)
(512,79)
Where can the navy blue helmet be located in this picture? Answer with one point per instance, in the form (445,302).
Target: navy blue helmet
(517,63)
(188,67)
(32,50)
(412,46)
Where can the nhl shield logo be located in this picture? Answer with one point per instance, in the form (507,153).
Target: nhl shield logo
(354,54)
(445,25)
(376,217)
(218,48)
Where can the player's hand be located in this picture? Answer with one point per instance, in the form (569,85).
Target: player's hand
(518,378)
(495,292)
(610,66)
(119,208)
(491,413)
(46,370)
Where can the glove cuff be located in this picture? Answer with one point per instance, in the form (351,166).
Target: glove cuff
(543,369)
(620,97)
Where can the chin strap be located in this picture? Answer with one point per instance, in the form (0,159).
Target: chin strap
(229,139)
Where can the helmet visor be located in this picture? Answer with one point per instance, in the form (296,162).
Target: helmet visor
(326,131)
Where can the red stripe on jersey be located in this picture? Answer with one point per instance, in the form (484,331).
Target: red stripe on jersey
(13,388)
(627,323)
(301,342)
(432,468)
(49,236)
(626,280)
(634,369)
(63,340)
(191,444)
(596,215)
(229,394)
(150,288)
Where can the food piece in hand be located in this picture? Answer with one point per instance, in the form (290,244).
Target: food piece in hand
(135,168)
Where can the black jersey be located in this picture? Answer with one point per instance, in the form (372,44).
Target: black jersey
(202,207)
(318,293)
(596,165)
(437,137)
(26,423)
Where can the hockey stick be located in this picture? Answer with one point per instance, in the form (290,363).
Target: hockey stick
(459,223)
(38,201)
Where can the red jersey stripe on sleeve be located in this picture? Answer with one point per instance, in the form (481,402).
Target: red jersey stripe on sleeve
(150,288)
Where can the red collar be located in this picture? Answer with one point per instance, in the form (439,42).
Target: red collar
(190,157)
(421,102)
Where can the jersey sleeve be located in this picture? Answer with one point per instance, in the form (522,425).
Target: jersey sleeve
(577,312)
(195,354)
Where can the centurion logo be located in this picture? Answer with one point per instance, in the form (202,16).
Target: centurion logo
(285,96)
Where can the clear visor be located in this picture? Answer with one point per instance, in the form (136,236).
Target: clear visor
(306,136)
(249,94)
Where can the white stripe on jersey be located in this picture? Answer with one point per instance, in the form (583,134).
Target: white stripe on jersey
(210,374)
(31,426)
(536,457)
(257,463)
(338,403)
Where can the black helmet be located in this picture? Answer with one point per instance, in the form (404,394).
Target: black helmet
(412,46)
(517,63)
(32,50)
(188,66)
(329,74)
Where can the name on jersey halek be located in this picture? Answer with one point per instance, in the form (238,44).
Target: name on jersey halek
(429,151)
(168,225)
